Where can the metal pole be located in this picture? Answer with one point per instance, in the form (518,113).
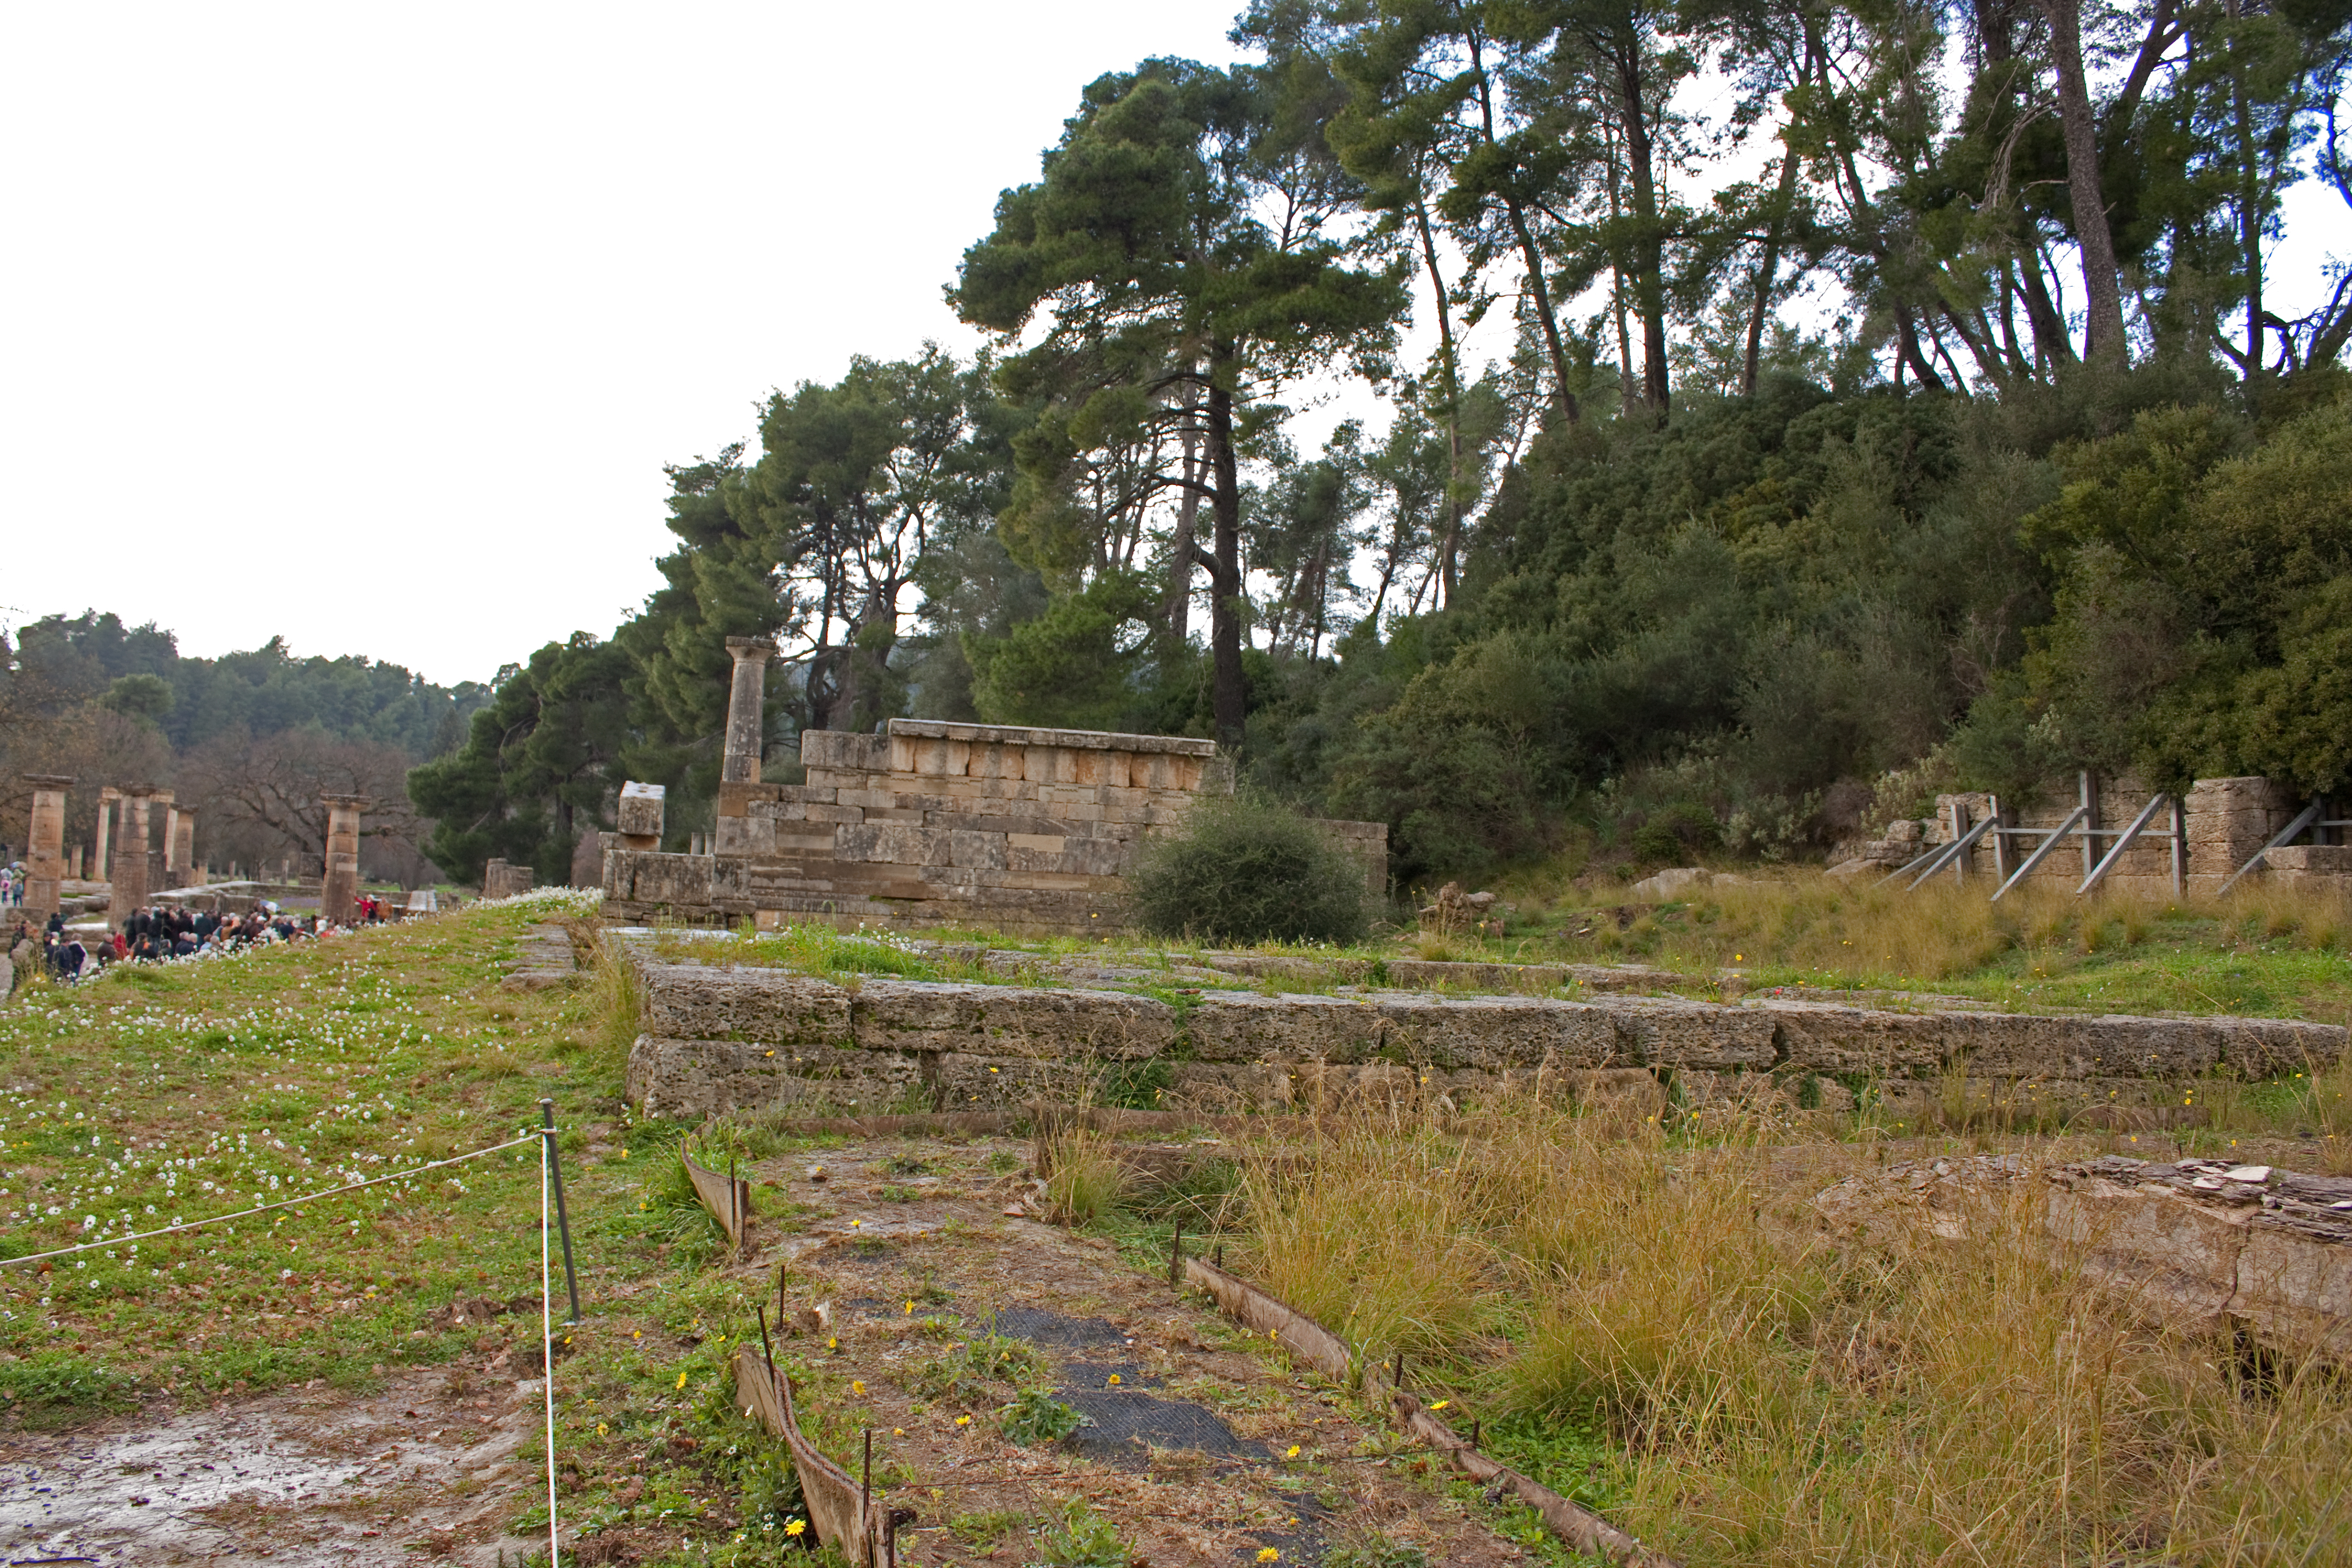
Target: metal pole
(563,1222)
(2090,825)
(2179,849)
(1999,839)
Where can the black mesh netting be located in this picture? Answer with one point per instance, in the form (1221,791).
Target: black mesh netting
(1041,1328)
(1128,1423)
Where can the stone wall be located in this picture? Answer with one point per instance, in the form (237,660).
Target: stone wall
(936,822)
(719,1040)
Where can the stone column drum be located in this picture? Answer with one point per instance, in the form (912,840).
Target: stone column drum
(183,845)
(128,872)
(746,699)
(45,854)
(339,889)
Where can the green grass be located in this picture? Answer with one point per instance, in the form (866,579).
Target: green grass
(190,1089)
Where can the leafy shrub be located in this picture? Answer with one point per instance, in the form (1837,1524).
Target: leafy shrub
(1247,870)
(1674,834)
(1036,1416)
(1082,1538)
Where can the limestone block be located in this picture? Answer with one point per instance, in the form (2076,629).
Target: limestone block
(1657,1033)
(642,807)
(843,750)
(1825,1038)
(976,849)
(2294,860)
(2015,1045)
(891,843)
(1492,1032)
(2277,1047)
(772,1006)
(995,761)
(966,1080)
(1240,1026)
(1010,1021)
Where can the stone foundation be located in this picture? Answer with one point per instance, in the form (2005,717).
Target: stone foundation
(747,1039)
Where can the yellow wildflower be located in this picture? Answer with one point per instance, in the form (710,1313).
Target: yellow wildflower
(795,1527)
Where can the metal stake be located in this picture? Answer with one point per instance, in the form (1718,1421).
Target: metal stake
(1175,1251)
(563,1222)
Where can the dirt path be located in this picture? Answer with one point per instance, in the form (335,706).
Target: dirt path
(904,1280)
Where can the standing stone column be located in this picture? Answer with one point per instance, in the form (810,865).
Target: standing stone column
(45,855)
(339,889)
(159,859)
(128,872)
(183,843)
(746,700)
(101,867)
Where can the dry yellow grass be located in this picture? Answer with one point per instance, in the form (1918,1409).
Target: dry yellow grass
(1774,1396)
(1945,931)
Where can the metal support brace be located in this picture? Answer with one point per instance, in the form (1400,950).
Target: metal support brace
(2123,842)
(2056,836)
(2310,815)
(1950,853)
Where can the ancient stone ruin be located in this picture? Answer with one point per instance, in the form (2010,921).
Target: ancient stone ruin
(2130,838)
(932,822)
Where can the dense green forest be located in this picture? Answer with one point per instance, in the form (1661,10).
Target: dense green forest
(1896,391)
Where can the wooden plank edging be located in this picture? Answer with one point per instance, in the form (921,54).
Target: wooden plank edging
(728,1198)
(832,1499)
(1309,1342)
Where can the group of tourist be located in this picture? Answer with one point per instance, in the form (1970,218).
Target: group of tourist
(146,936)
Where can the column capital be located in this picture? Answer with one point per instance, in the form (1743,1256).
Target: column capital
(356,802)
(763,649)
(49,781)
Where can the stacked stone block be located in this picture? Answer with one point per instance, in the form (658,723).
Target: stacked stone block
(932,822)
(723,1039)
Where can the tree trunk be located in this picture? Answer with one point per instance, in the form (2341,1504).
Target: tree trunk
(2103,333)
(1449,370)
(1538,289)
(1649,254)
(1179,610)
(1228,698)
(1766,266)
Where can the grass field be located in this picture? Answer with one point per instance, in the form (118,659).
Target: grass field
(199,1089)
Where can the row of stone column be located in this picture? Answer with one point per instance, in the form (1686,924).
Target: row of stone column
(126,820)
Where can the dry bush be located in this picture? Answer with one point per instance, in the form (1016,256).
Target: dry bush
(1085,1178)
(1781,1398)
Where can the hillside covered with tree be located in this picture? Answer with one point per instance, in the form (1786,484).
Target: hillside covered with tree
(1895,391)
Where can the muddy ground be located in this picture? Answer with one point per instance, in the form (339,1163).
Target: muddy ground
(310,1476)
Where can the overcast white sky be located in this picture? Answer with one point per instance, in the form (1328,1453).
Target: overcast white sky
(374,328)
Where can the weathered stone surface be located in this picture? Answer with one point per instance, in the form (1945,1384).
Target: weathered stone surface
(642,812)
(1826,1038)
(2200,1243)
(1495,1032)
(1240,1026)
(1009,1020)
(1656,1032)
(772,1006)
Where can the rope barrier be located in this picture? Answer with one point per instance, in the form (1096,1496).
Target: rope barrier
(410,1174)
